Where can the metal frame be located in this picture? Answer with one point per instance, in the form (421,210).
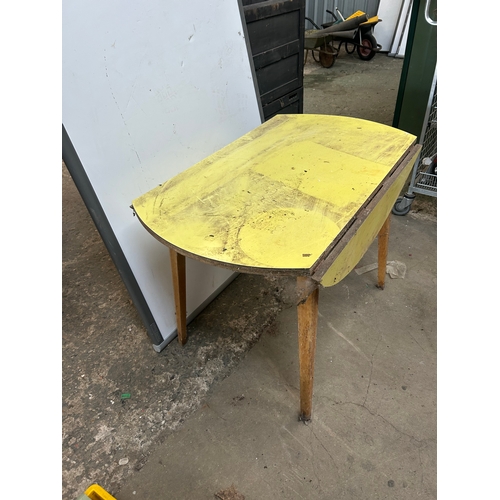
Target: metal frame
(423,181)
(424,177)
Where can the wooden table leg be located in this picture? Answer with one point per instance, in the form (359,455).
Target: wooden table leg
(178,263)
(307,312)
(383,246)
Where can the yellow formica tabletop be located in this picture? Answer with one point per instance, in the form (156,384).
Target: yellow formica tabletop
(300,195)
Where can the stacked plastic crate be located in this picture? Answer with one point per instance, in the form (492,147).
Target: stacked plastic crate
(276,36)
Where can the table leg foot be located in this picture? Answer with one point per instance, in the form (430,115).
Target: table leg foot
(178,264)
(383,246)
(307,312)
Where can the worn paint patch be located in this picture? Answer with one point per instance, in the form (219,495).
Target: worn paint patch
(290,185)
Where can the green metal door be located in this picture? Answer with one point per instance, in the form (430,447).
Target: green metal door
(418,69)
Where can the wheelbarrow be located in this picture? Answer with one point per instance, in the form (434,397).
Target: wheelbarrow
(319,43)
(356,32)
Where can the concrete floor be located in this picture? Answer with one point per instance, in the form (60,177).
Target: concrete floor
(218,418)
(373,433)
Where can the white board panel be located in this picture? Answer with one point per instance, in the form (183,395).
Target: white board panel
(150,88)
(388,11)
(398,47)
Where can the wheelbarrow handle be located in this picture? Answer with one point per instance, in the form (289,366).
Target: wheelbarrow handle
(312,22)
(334,16)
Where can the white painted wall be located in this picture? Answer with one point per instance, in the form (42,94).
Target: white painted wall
(150,88)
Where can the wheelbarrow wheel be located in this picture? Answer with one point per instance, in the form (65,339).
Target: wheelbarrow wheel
(327,56)
(366,50)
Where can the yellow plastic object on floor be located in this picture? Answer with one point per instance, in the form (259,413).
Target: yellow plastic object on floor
(96,492)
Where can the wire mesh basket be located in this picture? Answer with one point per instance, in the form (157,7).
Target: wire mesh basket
(426,178)
(424,175)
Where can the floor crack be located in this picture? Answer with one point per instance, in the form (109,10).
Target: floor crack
(322,445)
(416,341)
(313,458)
(371,371)
(421,468)
(371,412)
(389,423)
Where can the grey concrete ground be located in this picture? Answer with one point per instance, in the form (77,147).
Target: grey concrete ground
(220,414)
(373,433)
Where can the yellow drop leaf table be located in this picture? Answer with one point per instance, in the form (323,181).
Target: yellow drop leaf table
(300,195)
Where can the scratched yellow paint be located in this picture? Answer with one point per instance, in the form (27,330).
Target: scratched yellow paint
(278,196)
